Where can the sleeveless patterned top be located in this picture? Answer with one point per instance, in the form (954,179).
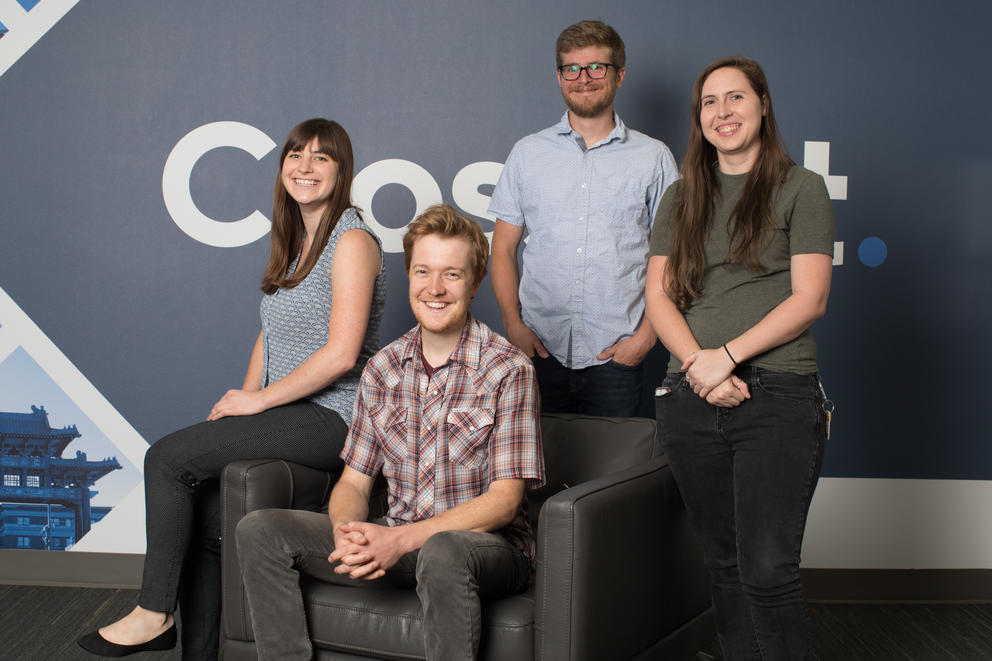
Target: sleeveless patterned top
(294,322)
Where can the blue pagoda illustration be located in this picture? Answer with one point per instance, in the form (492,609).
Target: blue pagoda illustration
(44,498)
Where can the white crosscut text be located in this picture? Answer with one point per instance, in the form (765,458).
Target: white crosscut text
(415,178)
(425,189)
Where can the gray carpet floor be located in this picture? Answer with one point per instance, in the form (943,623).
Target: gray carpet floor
(897,632)
(42,624)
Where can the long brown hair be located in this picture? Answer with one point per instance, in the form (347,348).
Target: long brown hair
(286,236)
(700,187)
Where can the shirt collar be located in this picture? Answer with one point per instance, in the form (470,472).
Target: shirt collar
(469,347)
(467,351)
(619,131)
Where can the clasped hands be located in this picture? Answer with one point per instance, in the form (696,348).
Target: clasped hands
(710,374)
(365,550)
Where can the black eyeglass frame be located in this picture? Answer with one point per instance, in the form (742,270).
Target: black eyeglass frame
(606,70)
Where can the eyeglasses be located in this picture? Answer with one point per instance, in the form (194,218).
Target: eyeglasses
(593,70)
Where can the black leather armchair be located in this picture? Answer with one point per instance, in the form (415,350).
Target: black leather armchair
(619,575)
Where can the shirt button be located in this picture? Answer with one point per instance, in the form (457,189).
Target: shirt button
(582,217)
(583,185)
(579,250)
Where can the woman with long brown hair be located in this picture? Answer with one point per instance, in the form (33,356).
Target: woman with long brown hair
(741,259)
(295,402)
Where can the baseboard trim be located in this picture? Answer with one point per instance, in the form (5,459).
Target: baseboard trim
(71,568)
(912,585)
(123,571)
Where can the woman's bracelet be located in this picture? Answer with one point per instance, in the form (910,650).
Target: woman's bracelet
(729,355)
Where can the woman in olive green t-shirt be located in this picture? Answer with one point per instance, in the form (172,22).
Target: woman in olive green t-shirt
(741,258)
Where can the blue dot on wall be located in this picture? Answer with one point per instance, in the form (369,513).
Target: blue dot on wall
(872,251)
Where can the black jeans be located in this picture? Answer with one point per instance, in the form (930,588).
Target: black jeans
(611,389)
(182,513)
(747,475)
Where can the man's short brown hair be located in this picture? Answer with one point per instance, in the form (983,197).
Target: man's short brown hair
(442,219)
(591,33)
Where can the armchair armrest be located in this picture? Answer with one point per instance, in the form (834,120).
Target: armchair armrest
(251,485)
(618,568)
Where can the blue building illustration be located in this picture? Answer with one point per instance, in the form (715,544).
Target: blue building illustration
(44,498)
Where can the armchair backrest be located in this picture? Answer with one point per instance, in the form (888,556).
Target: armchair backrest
(578,448)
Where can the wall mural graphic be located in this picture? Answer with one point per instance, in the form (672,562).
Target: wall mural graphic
(66,463)
(24,22)
(137,188)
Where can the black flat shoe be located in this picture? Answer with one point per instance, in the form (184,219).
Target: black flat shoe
(94,643)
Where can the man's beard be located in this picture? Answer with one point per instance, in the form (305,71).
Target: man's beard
(586,110)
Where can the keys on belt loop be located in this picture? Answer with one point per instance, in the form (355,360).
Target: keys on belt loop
(828,405)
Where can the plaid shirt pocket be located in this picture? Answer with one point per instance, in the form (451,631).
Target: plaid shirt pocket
(391,423)
(468,432)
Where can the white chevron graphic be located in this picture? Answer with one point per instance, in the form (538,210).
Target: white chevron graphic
(27,27)
(122,530)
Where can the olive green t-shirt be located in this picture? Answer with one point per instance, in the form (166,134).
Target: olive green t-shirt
(734,297)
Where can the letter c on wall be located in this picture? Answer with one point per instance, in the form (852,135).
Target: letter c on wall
(175,183)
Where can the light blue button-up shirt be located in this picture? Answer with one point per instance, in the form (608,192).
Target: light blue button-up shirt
(589,213)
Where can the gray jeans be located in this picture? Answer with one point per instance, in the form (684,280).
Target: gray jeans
(451,571)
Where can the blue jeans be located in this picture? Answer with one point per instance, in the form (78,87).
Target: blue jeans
(611,389)
(747,476)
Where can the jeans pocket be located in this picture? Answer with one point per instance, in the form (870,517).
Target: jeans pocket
(624,367)
(673,381)
(798,387)
(671,384)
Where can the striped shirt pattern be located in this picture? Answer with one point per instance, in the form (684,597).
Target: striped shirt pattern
(441,440)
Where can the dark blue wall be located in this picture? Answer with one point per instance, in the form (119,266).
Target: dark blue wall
(162,324)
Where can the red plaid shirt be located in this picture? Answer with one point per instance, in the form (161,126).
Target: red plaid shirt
(440,440)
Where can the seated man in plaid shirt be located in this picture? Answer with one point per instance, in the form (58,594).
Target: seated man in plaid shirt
(449,414)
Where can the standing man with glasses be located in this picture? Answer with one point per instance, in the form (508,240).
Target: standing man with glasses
(587,190)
